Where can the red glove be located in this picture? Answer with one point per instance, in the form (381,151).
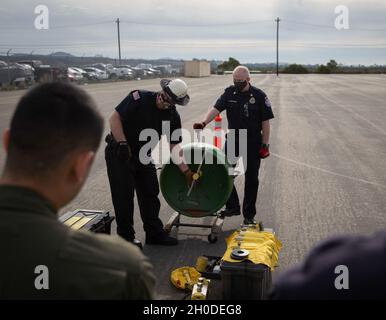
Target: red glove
(199,125)
(264,151)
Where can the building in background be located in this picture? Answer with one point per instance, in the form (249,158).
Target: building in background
(197,68)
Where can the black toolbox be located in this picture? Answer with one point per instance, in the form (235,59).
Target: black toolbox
(245,280)
(93,220)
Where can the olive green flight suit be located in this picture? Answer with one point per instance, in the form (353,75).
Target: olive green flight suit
(79,264)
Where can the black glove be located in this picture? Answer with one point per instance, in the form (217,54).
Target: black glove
(199,125)
(123,151)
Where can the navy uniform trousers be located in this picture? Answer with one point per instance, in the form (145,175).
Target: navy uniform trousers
(126,177)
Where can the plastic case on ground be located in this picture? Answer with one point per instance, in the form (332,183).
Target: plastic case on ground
(93,220)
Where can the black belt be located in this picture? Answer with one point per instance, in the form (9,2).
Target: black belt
(114,144)
(111,141)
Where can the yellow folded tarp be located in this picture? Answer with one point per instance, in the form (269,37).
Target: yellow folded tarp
(263,246)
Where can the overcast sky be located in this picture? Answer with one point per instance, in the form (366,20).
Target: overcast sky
(210,29)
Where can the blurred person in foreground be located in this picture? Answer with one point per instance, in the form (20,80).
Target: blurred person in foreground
(51,144)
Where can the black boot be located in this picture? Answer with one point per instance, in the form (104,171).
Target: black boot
(249,221)
(137,243)
(230,212)
(132,240)
(162,238)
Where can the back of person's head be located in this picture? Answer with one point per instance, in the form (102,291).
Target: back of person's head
(52,123)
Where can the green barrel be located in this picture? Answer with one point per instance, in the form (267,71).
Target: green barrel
(209,193)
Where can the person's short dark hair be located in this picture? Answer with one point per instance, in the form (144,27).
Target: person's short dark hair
(51,121)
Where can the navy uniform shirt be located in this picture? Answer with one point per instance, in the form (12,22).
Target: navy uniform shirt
(138,111)
(316,278)
(245,110)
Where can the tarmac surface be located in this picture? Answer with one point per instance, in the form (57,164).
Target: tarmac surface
(326,174)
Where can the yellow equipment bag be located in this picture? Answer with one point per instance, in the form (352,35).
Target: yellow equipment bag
(184,277)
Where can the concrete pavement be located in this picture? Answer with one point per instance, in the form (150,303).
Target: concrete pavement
(326,174)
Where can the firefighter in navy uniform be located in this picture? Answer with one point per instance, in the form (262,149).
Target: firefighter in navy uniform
(247,107)
(127,173)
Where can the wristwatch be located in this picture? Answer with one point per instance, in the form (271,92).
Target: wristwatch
(265,145)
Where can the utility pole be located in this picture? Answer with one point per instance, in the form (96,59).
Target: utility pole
(277,45)
(119,41)
(9,71)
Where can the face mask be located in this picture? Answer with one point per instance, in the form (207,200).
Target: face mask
(165,102)
(240,85)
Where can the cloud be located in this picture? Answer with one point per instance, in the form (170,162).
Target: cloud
(210,29)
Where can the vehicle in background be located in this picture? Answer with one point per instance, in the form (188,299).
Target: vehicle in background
(15,74)
(164,69)
(155,71)
(74,75)
(144,66)
(111,72)
(97,73)
(139,73)
(29,69)
(45,72)
(124,72)
(84,73)
(33,63)
(148,71)
(124,66)
(89,74)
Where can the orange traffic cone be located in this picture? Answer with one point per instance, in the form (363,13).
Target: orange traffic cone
(217,132)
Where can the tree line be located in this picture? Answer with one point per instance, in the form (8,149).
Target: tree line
(331,66)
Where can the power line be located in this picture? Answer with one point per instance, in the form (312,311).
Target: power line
(187,25)
(192,44)
(69,26)
(82,25)
(133,22)
(309,24)
(337,46)
(53,46)
(330,26)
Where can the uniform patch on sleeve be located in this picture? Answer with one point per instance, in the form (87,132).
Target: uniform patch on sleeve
(267,102)
(136,95)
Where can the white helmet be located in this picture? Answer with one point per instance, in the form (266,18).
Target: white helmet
(177,90)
